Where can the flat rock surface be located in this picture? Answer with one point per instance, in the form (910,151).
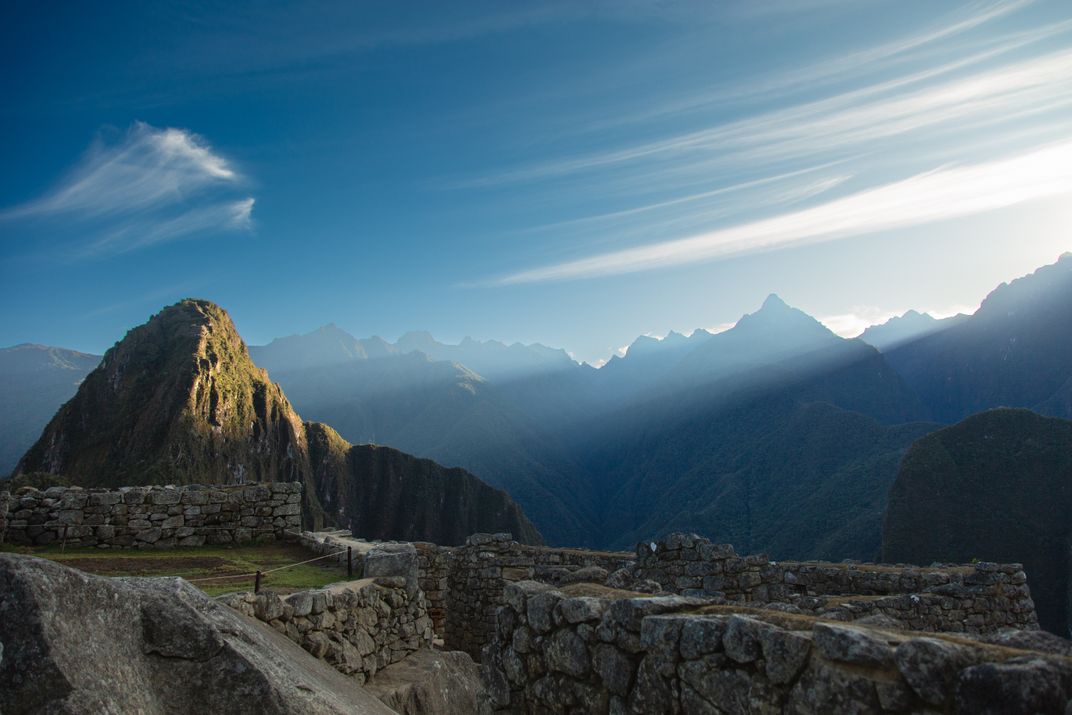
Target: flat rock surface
(430,681)
(75,643)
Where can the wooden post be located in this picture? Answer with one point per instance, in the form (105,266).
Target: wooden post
(349,562)
(257,583)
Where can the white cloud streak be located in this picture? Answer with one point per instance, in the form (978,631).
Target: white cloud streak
(858,319)
(152,186)
(229,216)
(847,121)
(934,196)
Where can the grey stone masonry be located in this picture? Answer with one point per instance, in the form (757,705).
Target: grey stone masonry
(5,504)
(478,572)
(464,585)
(592,650)
(147,517)
(973,598)
(433,566)
(358,627)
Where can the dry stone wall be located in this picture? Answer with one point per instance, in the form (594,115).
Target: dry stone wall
(478,572)
(358,627)
(139,517)
(433,568)
(5,504)
(978,598)
(554,651)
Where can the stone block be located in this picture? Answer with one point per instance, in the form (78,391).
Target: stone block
(163,497)
(785,653)
(849,644)
(394,560)
(701,636)
(930,666)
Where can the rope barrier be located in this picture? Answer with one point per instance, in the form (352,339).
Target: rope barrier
(220,578)
(318,558)
(264,573)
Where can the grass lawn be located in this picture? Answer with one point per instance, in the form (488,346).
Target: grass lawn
(206,562)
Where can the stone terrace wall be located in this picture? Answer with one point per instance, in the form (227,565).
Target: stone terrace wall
(479,571)
(153,516)
(358,627)
(980,598)
(556,653)
(433,564)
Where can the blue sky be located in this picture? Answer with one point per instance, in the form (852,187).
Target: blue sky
(573,173)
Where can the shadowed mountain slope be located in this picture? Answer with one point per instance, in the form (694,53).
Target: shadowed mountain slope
(995,487)
(380,490)
(791,458)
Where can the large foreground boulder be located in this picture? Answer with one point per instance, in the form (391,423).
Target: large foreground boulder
(75,643)
(430,681)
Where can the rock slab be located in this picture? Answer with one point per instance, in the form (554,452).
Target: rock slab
(75,643)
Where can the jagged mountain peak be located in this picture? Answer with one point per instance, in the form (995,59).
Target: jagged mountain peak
(1049,284)
(774,302)
(776,314)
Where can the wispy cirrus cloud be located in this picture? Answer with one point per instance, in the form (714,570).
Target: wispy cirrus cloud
(945,193)
(845,121)
(151,186)
(219,216)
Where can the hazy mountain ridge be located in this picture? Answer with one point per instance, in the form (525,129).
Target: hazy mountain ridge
(178,400)
(492,359)
(907,328)
(1014,351)
(35,380)
(324,347)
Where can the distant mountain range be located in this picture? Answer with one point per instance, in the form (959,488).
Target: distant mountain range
(34,381)
(775,435)
(603,457)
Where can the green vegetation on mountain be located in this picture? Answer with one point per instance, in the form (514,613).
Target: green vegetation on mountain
(995,487)
(177,401)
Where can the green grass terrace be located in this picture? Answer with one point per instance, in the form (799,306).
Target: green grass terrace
(214,569)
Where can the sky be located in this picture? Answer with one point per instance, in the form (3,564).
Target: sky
(570,173)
